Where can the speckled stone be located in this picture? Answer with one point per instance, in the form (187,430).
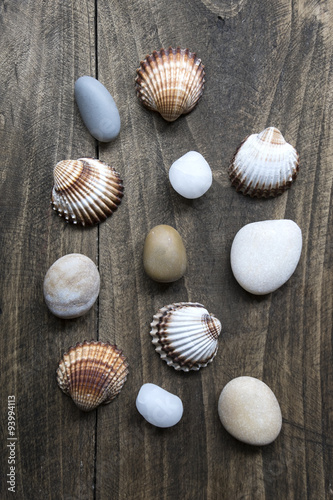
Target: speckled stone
(158,406)
(97,108)
(265,254)
(71,286)
(249,411)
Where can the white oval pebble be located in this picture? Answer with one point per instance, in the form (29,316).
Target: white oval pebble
(191,175)
(71,286)
(97,108)
(249,411)
(158,406)
(265,254)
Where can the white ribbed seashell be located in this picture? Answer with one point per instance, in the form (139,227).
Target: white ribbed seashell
(185,335)
(86,191)
(264,165)
(170,81)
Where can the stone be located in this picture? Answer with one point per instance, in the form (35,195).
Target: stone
(249,411)
(191,175)
(71,286)
(158,406)
(164,254)
(265,254)
(97,108)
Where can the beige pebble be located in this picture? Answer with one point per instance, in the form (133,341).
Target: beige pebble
(71,286)
(164,254)
(249,411)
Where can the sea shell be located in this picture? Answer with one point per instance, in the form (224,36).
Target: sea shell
(86,191)
(264,165)
(170,81)
(185,335)
(92,373)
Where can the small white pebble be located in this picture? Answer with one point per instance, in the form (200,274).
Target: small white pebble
(158,406)
(191,175)
(249,411)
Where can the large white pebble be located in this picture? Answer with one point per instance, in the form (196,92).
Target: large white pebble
(265,254)
(249,411)
(71,286)
(191,175)
(158,406)
(97,108)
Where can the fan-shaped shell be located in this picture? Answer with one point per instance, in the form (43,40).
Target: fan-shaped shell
(86,191)
(92,373)
(170,81)
(264,164)
(185,335)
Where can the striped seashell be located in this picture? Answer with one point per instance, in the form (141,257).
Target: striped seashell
(264,165)
(92,373)
(185,335)
(86,191)
(170,81)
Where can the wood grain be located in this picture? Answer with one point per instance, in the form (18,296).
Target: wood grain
(266,64)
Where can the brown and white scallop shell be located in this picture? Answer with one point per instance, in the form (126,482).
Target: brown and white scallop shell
(185,335)
(170,81)
(86,191)
(264,164)
(92,373)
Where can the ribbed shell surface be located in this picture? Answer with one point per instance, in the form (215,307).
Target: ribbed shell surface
(264,165)
(92,373)
(185,335)
(170,81)
(86,191)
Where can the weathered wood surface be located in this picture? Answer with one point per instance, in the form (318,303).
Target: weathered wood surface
(267,63)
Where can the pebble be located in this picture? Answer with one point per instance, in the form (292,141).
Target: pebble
(191,175)
(97,108)
(249,411)
(158,406)
(265,254)
(71,286)
(164,254)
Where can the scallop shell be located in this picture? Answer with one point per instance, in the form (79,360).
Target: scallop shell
(170,81)
(86,191)
(185,335)
(264,164)
(92,373)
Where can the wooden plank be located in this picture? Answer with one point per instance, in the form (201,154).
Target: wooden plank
(266,64)
(44,48)
(263,66)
